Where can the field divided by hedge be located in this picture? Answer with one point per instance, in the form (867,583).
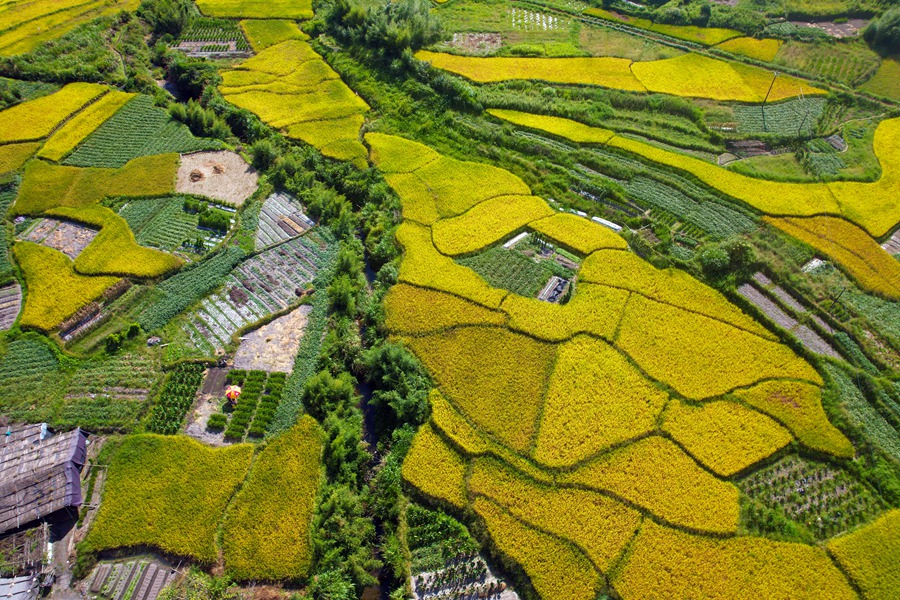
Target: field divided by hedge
(265,535)
(55,289)
(168,492)
(82,125)
(541,413)
(690,75)
(36,119)
(290,87)
(869,556)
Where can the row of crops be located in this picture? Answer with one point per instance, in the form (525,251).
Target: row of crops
(268,282)
(215,32)
(177,397)
(256,407)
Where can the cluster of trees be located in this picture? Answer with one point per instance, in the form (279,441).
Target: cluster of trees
(883,33)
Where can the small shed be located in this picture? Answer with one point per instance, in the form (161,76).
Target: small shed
(40,473)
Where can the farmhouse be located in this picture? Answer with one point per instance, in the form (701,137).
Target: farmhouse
(39,473)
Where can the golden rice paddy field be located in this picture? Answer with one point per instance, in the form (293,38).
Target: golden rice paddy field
(689,75)
(618,412)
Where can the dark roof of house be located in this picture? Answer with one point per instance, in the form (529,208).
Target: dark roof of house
(19,588)
(39,473)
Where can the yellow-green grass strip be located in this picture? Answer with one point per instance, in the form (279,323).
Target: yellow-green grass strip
(764,50)
(45,185)
(82,125)
(599,526)
(798,406)
(486,223)
(709,36)
(851,247)
(414,310)
(614,73)
(869,556)
(435,469)
(262,33)
(257,9)
(724,436)
(55,290)
(689,75)
(167,492)
(114,250)
(578,234)
(595,399)
(666,563)
(394,154)
(656,475)
(573,130)
(38,118)
(266,534)
(554,568)
(886,81)
(14,156)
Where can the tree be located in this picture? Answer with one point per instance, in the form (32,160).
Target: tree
(263,154)
(884,32)
(167,16)
(714,260)
(325,393)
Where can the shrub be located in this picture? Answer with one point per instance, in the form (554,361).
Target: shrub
(217,422)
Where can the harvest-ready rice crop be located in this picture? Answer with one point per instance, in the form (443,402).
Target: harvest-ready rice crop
(667,563)
(578,234)
(869,556)
(446,418)
(46,186)
(257,9)
(481,370)
(669,286)
(82,125)
(554,568)
(764,50)
(690,75)
(851,247)
(55,290)
(14,156)
(595,399)
(262,33)
(701,357)
(394,154)
(306,97)
(25,24)
(168,492)
(486,223)
(435,469)
(114,251)
(798,406)
(573,130)
(724,436)
(37,119)
(266,531)
(654,474)
(424,266)
(414,310)
(598,525)
(595,309)
(608,72)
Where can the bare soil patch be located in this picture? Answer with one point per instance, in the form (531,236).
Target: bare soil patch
(221,175)
(10,303)
(273,347)
(68,238)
